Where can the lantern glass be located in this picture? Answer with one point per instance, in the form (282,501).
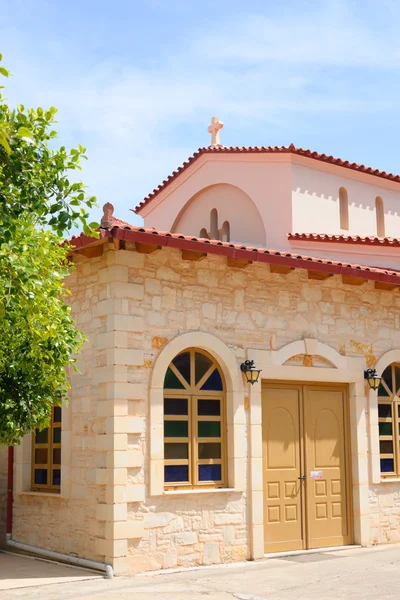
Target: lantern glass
(254,373)
(375,383)
(251,372)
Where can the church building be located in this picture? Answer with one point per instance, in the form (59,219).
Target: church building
(238,390)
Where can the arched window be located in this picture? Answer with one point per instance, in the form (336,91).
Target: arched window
(194,422)
(214,224)
(380,217)
(344,208)
(226,232)
(203,233)
(389,421)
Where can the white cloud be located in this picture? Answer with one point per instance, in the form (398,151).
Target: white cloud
(254,72)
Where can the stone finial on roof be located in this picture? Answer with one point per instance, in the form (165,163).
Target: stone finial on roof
(107,220)
(214,129)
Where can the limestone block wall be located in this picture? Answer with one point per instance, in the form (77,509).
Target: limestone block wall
(67,522)
(130,305)
(384,503)
(246,308)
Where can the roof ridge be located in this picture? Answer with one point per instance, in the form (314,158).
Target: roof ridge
(312,154)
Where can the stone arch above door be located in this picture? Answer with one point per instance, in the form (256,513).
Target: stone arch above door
(309,348)
(220,211)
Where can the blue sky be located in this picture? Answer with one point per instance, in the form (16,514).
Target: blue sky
(138,81)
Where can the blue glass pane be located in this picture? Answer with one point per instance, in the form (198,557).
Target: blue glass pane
(41,476)
(182,363)
(56,477)
(210,472)
(387,465)
(176,473)
(214,382)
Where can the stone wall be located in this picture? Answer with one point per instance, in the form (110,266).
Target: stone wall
(67,522)
(384,502)
(245,308)
(130,305)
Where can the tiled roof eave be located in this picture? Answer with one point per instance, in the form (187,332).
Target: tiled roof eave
(343,239)
(170,240)
(306,153)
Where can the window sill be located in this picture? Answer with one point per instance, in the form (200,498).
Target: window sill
(41,494)
(201,491)
(388,480)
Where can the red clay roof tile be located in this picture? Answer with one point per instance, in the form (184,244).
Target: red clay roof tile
(240,251)
(343,239)
(264,150)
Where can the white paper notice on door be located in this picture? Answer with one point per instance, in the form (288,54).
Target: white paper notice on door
(315,474)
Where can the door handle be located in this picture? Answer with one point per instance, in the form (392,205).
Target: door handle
(303,477)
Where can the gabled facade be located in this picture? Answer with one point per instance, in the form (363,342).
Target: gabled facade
(168,456)
(265,195)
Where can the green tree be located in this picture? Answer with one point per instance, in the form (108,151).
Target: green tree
(38,205)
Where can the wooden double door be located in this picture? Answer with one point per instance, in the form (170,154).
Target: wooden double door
(306,467)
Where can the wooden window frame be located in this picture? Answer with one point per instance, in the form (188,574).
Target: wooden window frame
(193,393)
(393,400)
(50,466)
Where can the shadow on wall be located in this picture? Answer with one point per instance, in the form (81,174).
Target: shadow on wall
(356,199)
(224,212)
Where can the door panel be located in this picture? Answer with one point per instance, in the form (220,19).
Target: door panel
(325,437)
(305,434)
(281,461)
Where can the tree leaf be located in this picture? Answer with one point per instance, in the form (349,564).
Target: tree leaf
(25,132)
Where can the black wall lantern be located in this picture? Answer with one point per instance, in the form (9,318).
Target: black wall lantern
(374,381)
(251,371)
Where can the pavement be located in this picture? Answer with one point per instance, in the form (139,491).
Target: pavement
(367,573)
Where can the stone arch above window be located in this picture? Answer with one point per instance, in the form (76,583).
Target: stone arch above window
(224,212)
(344,208)
(194,422)
(380,217)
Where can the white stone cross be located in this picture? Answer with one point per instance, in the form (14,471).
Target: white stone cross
(214,128)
